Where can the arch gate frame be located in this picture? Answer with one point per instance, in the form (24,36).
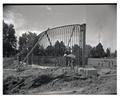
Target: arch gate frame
(41,35)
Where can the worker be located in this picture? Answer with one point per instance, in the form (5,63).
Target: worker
(69,59)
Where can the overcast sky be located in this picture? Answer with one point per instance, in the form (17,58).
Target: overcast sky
(100,20)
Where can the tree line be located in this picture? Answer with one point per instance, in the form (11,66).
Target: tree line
(27,41)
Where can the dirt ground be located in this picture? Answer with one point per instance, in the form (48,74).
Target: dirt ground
(42,80)
(61,80)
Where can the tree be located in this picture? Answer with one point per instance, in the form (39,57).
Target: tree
(50,51)
(9,40)
(97,52)
(62,48)
(59,48)
(115,53)
(88,48)
(26,42)
(77,51)
(93,52)
(100,51)
(108,53)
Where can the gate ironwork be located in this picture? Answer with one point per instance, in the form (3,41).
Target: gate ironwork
(73,38)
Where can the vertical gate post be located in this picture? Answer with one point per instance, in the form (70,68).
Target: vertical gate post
(83,31)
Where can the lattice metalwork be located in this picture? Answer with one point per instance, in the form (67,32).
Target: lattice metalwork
(70,35)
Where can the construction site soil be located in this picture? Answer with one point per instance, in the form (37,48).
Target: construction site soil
(58,80)
(52,80)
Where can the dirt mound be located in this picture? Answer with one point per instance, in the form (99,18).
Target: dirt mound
(31,79)
(14,85)
(36,81)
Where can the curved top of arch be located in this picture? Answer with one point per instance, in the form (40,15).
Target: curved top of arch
(66,33)
(59,27)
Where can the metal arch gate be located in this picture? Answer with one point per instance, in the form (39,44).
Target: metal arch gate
(70,34)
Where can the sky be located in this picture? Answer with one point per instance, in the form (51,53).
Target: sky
(101,20)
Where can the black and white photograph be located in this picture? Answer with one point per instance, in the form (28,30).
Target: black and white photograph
(59,49)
